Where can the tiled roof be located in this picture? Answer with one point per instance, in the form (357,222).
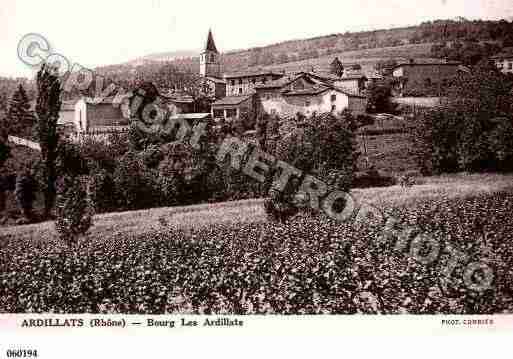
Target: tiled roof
(215,79)
(352,75)
(253,73)
(107,100)
(191,116)
(231,100)
(323,75)
(279,82)
(314,90)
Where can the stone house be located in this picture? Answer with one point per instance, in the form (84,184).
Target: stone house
(413,77)
(306,94)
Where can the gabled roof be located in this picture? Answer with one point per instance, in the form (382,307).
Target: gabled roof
(215,80)
(107,100)
(253,74)
(231,100)
(353,75)
(314,90)
(210,45)
(279,82)
(190,116)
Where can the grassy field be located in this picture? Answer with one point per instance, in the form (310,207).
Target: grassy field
(226,258)
(251,211)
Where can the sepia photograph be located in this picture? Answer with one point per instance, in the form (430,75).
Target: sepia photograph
(278,158)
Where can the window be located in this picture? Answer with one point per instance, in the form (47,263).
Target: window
(253,81)
(218,113)
(264,80)
(240,90)
(307,103)
(334,97)
(231,112)
(427,82)
(510,65)
(232,82)
(240,81)
(212,58)
(333,108)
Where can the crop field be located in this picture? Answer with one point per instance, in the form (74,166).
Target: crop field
(226,258)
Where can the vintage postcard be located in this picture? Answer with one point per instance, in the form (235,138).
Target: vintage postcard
(192,171)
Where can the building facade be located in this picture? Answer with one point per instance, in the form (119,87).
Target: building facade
(242,84)
(415,77)
(305,94)
(109,115)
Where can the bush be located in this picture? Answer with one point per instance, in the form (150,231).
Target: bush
(102,191)
(73,209)
(136,186)
(372,178)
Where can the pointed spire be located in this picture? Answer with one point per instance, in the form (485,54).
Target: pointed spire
(210,46)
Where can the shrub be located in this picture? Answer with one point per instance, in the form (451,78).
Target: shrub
(73,209)
(102,191)
(406,179)
(372,178)
(136,186)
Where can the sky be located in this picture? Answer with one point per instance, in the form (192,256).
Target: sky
(101,32)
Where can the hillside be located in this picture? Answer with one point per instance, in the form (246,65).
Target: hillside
(354,46)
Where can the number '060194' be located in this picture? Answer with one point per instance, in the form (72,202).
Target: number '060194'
(21,353)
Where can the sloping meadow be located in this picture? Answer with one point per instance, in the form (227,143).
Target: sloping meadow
(311,265)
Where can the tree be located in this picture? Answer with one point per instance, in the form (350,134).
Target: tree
(24,192)
(379,98)
(20,118)
(47,111)
(336,67)
(472,130)
(74,210)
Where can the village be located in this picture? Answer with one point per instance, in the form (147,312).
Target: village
(313,90)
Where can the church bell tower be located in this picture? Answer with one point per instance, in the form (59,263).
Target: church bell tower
(210,65)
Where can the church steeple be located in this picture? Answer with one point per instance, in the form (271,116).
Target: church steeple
(211,45)
(210,65)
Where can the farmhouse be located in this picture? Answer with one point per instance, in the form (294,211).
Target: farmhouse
(417,76)
(306,94)
(504,60)
(108,115)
